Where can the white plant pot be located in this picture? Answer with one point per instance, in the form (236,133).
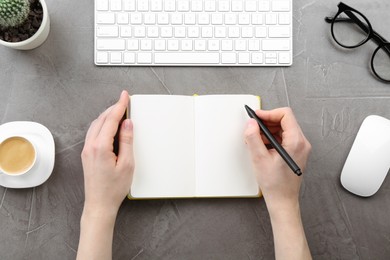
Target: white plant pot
(38,38)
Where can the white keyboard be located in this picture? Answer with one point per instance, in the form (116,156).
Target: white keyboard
(193,32)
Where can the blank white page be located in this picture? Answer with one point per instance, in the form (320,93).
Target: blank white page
(163,146)
(222,161)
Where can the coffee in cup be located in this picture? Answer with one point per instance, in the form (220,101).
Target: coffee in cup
(17,156)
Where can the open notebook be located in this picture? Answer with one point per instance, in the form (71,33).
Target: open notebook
(191,146)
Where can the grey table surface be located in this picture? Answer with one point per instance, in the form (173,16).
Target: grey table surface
(331,90)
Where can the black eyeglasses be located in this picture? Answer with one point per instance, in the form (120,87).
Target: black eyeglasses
(351,29)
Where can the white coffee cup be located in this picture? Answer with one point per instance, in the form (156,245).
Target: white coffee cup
(17,155)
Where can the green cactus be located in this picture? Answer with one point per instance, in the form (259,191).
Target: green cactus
(13,12)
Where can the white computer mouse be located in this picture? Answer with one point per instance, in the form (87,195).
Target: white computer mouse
(368,161)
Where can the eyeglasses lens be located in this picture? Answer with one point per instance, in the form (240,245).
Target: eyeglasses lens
(381,62)
(350,29)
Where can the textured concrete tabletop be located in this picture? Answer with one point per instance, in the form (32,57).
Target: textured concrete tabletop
(330,89)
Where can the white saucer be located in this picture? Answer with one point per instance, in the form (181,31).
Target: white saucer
(43,141)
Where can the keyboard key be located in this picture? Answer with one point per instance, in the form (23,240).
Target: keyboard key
(143,6)
(243,18)
(136,18)
(264,6)
(254,45)
(271,18)
(279,32)
(204,18)
(177,18)
(209,6)
(260,32)
(220,32)
(129,57)
(133,45)
(150,18)
(270,61)
(107,31)
(240,45)
(183,5)
(284,18)
(276,45)
(189,18)
(223,6)
(247,32)
(228,58)
(105,18)
(234,32)
(146,45)
(280,6)
(139,31)
(213,45)
(257,57)
(196,5)
(257,19)
(152,31)
(216,19)
(243,58)
(270,55)
(122,18)
(250,6)
(200,45)
(116,5)
(129,5)
(116,57)
(102,5)
(231,19)
(173,45)
(186,45)
(156,5)
(110,44)
(227,45)
(162,18)
(125,31)
(186,58)
(166,31)
(193,32)
(170,5)
(180,32)
(144,58)
(159,45)
(284,58)
(101,57)
(237,6)
(207,32)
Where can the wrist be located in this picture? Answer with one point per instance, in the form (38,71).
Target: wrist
(284,211)
(97,214)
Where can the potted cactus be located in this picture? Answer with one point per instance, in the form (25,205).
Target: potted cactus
(24,24)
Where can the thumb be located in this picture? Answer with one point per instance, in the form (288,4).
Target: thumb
(253,139)
(125,155)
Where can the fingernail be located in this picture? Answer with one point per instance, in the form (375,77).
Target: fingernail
(127,124)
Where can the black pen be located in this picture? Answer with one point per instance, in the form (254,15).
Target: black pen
(286,157)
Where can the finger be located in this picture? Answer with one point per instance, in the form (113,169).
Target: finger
(96,125)
(254,141)
(283,116)
(125,155)
(267,142)
(275,130)
(289,125)
(110,125)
